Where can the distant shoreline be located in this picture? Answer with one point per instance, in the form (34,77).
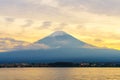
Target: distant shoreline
(62,65)
(55,67)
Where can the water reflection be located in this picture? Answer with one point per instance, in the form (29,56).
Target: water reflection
(60,74)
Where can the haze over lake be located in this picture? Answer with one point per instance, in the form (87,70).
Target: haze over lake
(59,74)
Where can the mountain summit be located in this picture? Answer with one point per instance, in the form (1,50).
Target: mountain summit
(61,39)
(58,33)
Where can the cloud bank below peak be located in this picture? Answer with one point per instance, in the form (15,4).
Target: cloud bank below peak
(8,44)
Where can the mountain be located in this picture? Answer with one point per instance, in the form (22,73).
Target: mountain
(60,46)
(60,39)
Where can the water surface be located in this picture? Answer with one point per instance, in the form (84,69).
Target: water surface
(59,73)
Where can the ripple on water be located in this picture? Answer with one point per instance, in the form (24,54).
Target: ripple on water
(60,74)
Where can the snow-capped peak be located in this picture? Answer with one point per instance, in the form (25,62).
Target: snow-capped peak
(58,33)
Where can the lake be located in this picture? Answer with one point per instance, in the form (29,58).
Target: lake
(59,73)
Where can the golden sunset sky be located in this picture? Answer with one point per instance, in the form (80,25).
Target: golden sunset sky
(96,22)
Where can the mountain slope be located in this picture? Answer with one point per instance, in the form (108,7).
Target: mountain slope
(56,55)
(60,39)
(61,47)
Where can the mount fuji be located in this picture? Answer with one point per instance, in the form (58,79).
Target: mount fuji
(60,39)
(60,47)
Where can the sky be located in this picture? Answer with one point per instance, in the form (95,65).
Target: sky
(96,22)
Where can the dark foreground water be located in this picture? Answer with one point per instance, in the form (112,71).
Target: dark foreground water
(59,74)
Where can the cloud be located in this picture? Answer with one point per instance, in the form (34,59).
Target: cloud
(108,7)
(8,44)
(52,3)
(35,46)
(10,20)
(60,26)
(98,40)
(39,8)
(89,46)
(81,27)
(27,8)
(28,23)
(46,24)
